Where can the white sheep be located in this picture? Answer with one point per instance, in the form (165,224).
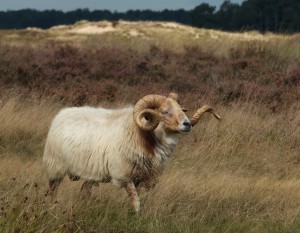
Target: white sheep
(129,147)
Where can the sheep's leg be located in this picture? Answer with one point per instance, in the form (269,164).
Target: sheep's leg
(53,185)
(86,188)
(74,177)
(138,189)
(133,195)
(138,186)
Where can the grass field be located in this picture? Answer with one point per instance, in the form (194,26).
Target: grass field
(238,175)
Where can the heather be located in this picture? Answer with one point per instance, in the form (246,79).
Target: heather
(71,74)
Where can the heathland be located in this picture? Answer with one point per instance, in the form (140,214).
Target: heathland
(238,175)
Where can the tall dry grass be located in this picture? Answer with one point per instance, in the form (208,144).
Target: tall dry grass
(239,175)
(24,125)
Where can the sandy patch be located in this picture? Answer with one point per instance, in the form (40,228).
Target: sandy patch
(134,33)
(92,29)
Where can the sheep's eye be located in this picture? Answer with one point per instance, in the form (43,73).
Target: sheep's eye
(185,109)
(165,113)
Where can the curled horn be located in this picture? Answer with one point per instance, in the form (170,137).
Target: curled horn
(206,108)
(144,113)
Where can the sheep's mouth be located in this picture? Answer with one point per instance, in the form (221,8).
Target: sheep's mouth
(185,129)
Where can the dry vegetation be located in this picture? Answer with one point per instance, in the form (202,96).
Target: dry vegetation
(240,175)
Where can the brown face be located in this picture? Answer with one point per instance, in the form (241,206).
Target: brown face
(173,118)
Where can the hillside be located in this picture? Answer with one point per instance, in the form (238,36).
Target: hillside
(110,56)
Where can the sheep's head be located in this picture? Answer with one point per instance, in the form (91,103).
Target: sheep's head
(152,110)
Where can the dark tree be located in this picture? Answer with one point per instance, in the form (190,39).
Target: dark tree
(227,16)
(203,16)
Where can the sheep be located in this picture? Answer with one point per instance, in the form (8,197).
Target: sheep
(129,147)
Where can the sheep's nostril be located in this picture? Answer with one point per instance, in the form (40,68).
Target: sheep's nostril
(187,124)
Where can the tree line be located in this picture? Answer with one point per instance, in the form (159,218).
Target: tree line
(261,15)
